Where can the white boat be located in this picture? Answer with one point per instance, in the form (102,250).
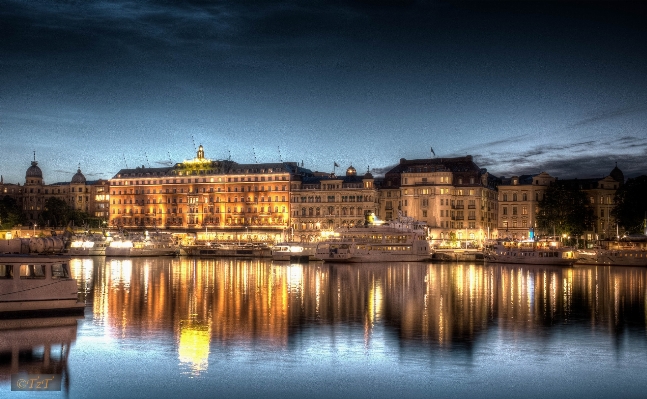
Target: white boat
(89,245)
(628,252)
(156,244)
(530,253)
(401,240)
(294,251)
(36,283)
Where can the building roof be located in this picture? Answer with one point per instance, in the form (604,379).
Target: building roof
(34,170)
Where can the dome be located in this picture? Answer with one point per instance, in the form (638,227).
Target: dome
(368,175)
(78,178)
(34,171)
(617,175)
(351,171)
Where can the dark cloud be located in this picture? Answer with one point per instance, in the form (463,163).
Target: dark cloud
(611,114)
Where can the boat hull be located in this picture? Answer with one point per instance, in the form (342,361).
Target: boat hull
(37,284)
(208,252)
(613,258)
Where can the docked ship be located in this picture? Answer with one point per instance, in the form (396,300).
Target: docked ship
(234,250)
(31,283)
(294,252)
(630,251)
(156,244)
(530,253)
(93,244)
(400,240)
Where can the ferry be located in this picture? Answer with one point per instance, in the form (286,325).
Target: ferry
(294,252)
(531,253)
(401,240)
(37,284)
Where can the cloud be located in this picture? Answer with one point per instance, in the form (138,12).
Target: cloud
(610,114)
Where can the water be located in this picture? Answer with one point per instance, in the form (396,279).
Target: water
(162,327)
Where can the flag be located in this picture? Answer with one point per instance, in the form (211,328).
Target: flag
(336,166)
(432,151)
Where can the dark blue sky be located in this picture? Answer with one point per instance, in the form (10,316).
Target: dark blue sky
(523,86)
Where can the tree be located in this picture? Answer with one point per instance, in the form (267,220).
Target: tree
(564,210)
(631,207)
(58,213)
(10,213)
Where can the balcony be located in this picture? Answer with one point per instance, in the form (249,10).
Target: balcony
(458,206)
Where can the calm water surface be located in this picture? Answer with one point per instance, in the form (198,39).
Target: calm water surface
(181,327)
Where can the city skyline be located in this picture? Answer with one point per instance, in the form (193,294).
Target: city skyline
(523,88)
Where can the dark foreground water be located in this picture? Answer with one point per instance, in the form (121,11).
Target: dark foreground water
(227,328)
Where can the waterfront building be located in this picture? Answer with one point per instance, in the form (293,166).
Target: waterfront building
(519,198)
(600,193)
(79,194)
(229,199)
(456,198)
(325,201)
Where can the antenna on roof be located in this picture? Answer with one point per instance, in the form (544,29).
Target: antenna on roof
(124,156)
(432,152)
(169,157)
(193,140)
(280,158)
(254,152)
(229,152)
(146,156)
(35,156)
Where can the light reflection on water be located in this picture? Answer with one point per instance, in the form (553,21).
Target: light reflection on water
(224,327)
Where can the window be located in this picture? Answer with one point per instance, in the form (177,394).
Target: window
(6,271)
(32,271)
(60,270)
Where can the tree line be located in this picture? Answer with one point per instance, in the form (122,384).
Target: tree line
(56,213)
(565,208)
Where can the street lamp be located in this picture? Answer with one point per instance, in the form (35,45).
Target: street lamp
(35,229)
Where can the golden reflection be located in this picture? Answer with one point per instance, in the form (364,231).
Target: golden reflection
(242,302)
(193,345)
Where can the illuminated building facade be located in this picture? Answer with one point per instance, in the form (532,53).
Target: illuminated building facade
(202,194)
(519,198)
(456,198)
(323,201)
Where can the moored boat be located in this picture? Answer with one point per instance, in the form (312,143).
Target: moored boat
(294,252)
(401,240)
(630,251)
(531,253)
(235,250)
(89,245)
(156,244)
(37,284)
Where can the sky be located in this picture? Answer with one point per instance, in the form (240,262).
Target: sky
(523,87)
